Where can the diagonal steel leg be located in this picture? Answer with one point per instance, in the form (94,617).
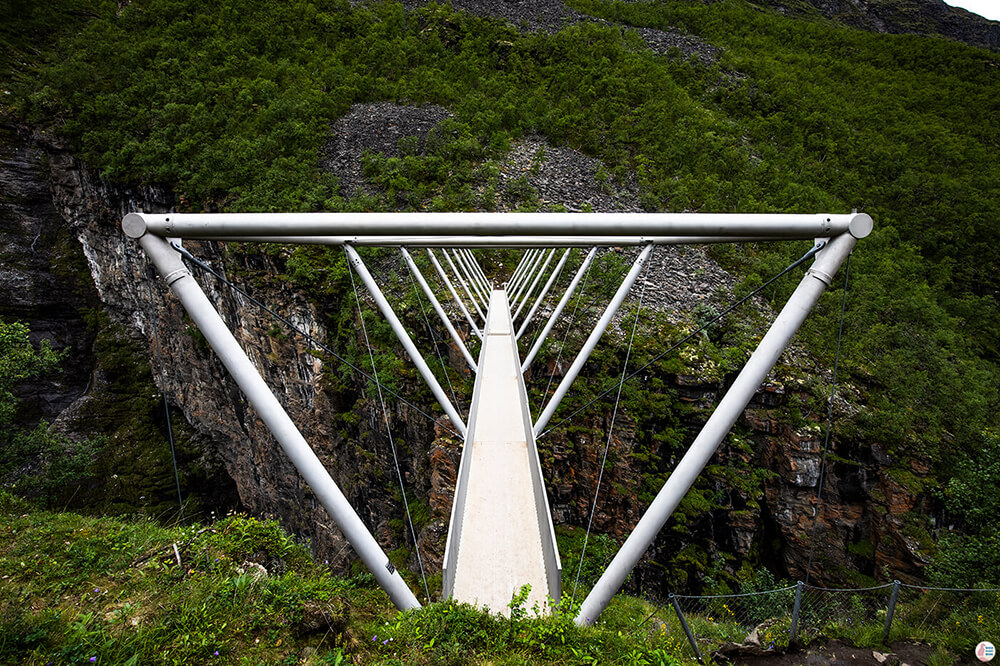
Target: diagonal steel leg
(454,294)
(544,293)
(244,372)
(816,280)
(592,341)
(554,317)
(456,338)
(404,338)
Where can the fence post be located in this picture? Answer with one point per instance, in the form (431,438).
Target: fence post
(891,610)
(794,631)
(687,630)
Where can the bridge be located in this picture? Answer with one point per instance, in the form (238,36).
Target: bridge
(501,534)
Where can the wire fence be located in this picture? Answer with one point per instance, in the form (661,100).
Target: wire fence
(800,613)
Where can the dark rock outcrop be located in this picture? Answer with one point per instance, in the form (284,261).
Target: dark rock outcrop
(921,17)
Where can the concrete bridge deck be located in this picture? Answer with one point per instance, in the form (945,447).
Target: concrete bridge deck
(501,535)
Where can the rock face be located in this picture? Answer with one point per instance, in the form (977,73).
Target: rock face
(860,525)
(40,283)
(922,17)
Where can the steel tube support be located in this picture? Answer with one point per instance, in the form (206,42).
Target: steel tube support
(190,225)
(465,286)
(529,274)
(475,270)
(595,336)
(817,278)
(454,294)
(534,283)
(554,317)
(545,292)
(243,371)
(514,242)
(470,275)
(516,275)
(479,269)
(530,257)
(415,270)
(404,338)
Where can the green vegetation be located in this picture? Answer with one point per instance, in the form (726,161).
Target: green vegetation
(230,105)
(80,589)
(37,461)
(240,591)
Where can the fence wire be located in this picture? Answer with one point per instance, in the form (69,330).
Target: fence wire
(770,619)
(842,613)
(963,617)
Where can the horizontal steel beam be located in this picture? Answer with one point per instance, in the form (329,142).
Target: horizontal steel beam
(217,225)
(507,242)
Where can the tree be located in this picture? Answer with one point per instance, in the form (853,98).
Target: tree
(972,497)
(35,462)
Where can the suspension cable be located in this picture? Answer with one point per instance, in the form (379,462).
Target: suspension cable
(166,406)
(829,424)
(308,336)
(388,431)
(611,426)
(816,248)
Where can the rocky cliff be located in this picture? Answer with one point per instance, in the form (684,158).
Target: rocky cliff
(54,207)
(920,17)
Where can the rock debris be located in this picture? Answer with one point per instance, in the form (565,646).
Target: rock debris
(550,16)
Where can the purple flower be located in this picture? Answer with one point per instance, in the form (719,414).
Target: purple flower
(216,653)
(97,590)
(92,659)
(375,638)
(385,642)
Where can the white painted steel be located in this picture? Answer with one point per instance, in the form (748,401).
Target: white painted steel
(805,296)
(479,269)
(513,242)
(475,270)
(524,266)
(477,285)
(526,278)
(404,338)
(456,338)
(545,292)
(465,286)
(501,535)
(454,294)
(534,283)
(554,317)
(190,225)
(595,336)
(246,375)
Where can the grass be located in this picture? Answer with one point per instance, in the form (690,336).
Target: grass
(79,589)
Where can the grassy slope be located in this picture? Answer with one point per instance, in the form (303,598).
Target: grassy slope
(80,589)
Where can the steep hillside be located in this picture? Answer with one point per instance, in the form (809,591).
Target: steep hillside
(722,106)
(921,17)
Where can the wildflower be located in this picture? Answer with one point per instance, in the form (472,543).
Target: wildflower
(385,642)
(375,638)
(92,659)
(215,654)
